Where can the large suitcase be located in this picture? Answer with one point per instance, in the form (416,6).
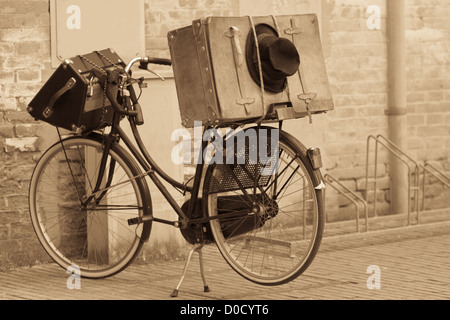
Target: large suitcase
(218,68)
(72,98)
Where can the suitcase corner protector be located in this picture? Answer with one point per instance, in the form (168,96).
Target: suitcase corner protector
(171,38)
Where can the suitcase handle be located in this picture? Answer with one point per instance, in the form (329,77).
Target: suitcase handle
(51,105)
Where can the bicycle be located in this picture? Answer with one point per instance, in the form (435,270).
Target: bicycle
(91,207)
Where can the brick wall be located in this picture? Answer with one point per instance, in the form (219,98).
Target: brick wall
(163,16)
(24,64)
(357,67)
(356,59)
(428,76)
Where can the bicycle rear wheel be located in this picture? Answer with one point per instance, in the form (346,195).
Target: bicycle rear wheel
(269,231)
(81,228)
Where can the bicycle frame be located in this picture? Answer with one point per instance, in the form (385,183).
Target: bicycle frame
(152,170)
(132,109)
(261,229)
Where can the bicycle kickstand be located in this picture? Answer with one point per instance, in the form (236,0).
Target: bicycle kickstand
(197,248)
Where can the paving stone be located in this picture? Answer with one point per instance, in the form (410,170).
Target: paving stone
(414,264)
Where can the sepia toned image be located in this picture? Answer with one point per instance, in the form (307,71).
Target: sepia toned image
(207,152)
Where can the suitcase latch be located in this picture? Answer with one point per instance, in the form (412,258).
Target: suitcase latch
(306,96)
(91,87)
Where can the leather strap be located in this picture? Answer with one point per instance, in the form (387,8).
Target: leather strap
(49,109)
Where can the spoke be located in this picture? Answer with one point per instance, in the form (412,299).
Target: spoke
(277,176)
(289,179)
(114,207)
(273,244)
(97,237)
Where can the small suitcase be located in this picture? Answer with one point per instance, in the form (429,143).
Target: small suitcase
(218,80)
(72,98)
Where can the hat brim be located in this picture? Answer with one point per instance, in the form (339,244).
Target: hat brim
(271,85)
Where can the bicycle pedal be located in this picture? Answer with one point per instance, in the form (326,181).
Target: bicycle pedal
(134,221)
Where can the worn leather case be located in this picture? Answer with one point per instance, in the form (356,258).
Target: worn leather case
(70,99)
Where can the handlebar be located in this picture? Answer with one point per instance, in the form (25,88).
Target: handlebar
(131,97)
(144,61)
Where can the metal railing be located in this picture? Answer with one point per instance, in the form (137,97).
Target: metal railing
(437,174)
(416,180)
(416,191)
(413,176)
(356,200)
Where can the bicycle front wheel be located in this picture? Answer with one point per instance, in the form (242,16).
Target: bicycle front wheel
(82,224)
(266,221)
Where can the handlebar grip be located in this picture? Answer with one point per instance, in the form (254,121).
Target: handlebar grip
(161,61)
(139,119)
(143,64)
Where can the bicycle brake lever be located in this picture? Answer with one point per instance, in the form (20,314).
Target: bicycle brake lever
(156,74)
(143,65)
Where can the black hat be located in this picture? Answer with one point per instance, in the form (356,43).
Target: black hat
(279,58)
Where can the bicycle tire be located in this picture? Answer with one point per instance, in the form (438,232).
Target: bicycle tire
(271,245)
(94,240)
